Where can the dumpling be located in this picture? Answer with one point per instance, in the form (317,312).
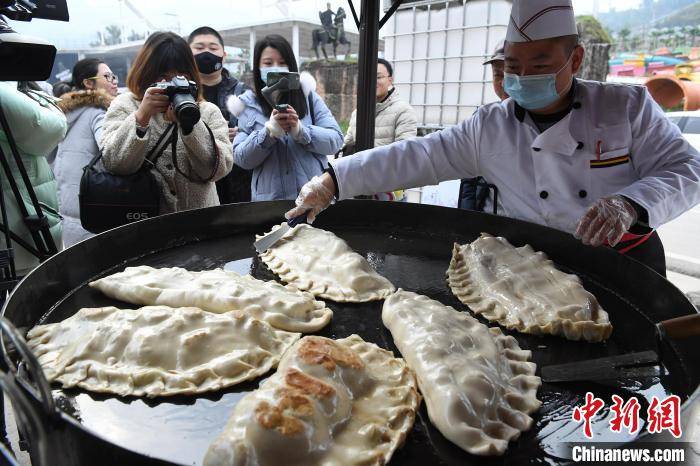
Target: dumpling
(522,290)
(478,385)
(218,290)
(331,402)
(319,262)
(157,351)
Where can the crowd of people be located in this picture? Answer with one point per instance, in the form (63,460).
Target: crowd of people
(241,148)
(600,161)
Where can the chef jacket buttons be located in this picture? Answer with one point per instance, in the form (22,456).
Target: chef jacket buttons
(576,105)
(536,149)
(544,194)
(579,146)
(582,193)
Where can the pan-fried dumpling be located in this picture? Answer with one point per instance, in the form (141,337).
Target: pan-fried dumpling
(478,385)
(157,351)
(331,402)
(319,262)
(522,290)
(218,290)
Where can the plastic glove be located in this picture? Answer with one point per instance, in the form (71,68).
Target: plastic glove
(314,196)
(606,221)
(273,128)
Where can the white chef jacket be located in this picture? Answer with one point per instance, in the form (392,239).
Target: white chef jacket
(615,140)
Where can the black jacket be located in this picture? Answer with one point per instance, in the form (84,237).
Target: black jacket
(234,187)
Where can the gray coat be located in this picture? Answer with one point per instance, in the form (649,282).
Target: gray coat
(85,111)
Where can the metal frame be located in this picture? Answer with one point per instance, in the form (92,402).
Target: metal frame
(390,44)
(368,27)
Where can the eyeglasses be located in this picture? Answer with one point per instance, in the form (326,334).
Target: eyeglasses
(108,77)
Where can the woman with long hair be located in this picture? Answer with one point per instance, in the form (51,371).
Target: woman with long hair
(94,87)
(136,121)
(285,149)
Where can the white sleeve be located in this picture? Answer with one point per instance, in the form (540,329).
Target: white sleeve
(668,167)
(444,155)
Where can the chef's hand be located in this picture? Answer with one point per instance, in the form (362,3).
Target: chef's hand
(314,196)
(606,221)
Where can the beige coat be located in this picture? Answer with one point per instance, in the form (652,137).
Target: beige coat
(395,121)
(124,152)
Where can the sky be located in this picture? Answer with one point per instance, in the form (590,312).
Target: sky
(89,16)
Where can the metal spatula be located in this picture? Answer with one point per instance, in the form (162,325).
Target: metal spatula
(269,240)
(632,365)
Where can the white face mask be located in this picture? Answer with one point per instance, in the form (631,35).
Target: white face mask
(264,70)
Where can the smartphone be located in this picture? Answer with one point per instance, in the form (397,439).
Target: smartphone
(281,107)
(292,79)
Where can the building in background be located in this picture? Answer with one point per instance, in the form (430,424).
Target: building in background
(239,41)
(437,49)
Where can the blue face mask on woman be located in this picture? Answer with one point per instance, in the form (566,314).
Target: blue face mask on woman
(534,91)
(264,70)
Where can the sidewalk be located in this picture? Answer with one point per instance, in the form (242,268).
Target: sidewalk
(681,239)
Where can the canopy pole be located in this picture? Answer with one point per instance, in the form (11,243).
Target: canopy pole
(367,74)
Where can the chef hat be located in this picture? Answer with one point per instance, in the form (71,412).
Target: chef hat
(540,19)
(498,53)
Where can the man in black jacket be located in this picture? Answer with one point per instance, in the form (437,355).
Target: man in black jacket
(208,48)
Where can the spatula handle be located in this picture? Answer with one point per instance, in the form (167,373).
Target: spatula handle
(681,327)
(294,221)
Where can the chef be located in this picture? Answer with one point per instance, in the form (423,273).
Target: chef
(600,161)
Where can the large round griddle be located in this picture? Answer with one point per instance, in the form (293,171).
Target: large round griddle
(409,244)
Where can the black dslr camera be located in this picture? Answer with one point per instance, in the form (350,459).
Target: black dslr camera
(183,97)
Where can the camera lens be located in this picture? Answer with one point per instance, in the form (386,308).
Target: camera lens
(187,111)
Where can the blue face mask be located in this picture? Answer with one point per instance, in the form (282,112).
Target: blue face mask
(264,70)
(534,91)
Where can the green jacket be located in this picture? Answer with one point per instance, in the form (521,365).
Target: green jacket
(37,126)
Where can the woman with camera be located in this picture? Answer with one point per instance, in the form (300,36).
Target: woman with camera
(94,87)
(165,123)
(285,146)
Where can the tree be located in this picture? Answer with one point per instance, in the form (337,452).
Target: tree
(624,34)
(635,43)
(655,34)
(134,36)
(114,35)
(591,28)
(694,33)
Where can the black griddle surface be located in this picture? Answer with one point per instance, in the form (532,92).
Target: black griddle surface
(179,429)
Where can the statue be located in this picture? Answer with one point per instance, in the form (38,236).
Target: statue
(333,32)
(326,18)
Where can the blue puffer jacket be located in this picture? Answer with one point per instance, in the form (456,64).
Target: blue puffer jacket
(282,166)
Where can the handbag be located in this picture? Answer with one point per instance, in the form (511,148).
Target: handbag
(108,201)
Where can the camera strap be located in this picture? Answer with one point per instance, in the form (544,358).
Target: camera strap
(147,161)
(161,145)
(217,158)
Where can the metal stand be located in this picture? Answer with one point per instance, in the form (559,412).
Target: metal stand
(37,224)
(368,25)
